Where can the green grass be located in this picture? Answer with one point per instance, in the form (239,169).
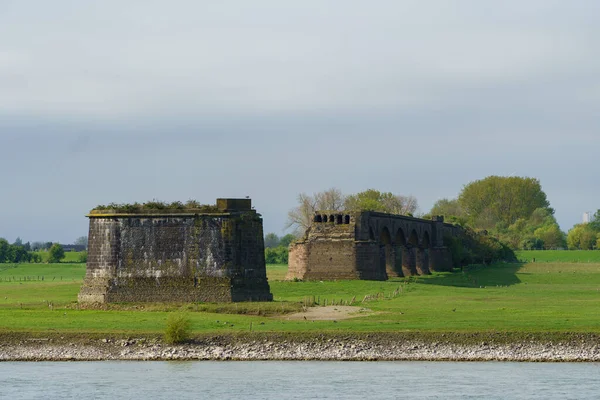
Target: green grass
(522,298)
(585,256)
(276,272)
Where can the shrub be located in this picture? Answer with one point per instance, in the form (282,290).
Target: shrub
(83,257)
(56,253)
(178,328)
(276,255)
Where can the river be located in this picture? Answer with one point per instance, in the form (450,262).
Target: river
(298,380)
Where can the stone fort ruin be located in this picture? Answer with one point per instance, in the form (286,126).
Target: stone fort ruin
(206,254)
(370,245)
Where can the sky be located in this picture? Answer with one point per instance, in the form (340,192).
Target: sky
(114,101)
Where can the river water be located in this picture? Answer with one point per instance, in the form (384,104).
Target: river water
(298,380)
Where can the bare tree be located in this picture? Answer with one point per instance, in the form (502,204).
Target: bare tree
(301,216)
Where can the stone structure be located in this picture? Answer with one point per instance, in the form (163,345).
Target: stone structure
(370,245)
(215,254)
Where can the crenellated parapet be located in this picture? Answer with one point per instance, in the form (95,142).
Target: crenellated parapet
(370,245)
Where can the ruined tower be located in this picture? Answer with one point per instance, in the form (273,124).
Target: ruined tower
(207,253)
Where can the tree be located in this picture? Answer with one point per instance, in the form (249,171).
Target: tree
(17,254)
(56,253)
(551,236)
(301,216)
(387,202)
(18,242)
(271,240)
(446,208)
(594,224)
(4,246)
(501,199)
(81,241)
(287,240)
(582,237)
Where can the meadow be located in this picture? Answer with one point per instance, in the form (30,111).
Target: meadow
(585,256)
(531,297)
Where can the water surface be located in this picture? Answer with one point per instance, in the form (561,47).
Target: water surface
(298,380)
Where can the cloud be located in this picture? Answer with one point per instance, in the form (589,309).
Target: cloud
(140,59)
(129,101)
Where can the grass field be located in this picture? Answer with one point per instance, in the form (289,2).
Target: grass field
(573,256)
(531,297)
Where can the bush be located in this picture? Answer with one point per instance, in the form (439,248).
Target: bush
(56,253)
(83,257)
(477,247)
(178,328)
(276,255)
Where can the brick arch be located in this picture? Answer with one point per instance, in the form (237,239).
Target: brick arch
(400,239)
(384,228)
(425,240)
(413,238)
(385,237)
(386,253)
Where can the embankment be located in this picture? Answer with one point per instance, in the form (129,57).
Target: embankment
(411,346)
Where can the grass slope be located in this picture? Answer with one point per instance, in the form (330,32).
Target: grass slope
(521,298)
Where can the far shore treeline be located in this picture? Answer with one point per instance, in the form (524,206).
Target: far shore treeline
(38,252)
(500,215)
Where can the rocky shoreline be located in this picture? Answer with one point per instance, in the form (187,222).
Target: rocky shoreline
(324,349)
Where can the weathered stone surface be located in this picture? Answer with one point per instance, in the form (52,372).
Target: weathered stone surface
(370,245)
(185,256)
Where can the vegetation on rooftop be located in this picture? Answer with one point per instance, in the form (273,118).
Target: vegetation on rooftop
(155,206)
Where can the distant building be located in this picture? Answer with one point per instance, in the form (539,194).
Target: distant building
(587,217)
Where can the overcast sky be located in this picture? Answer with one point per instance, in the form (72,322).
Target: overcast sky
(123,101)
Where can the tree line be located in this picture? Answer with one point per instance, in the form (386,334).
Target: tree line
(515,210)
(19,252)
(585,236)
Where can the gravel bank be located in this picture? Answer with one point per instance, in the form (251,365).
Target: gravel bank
(40,349)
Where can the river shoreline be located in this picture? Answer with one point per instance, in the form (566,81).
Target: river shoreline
(323,348)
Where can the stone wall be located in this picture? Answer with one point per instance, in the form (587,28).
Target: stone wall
(370,245)
(181,257)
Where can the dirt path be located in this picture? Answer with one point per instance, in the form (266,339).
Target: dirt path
(329,313)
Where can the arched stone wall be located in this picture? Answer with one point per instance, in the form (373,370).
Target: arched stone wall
(370,245)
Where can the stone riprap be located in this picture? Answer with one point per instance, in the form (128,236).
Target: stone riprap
(205,255)
(370,245)
(37,349)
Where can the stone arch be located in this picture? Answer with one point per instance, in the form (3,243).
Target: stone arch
(399,250)
(425,241)
(318,218)
(400,238)
(324,217)
(386,252)
(385,237)
(347,219)
(409,253)
(413,239)
(338,219)
(332,218)
(423,255)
